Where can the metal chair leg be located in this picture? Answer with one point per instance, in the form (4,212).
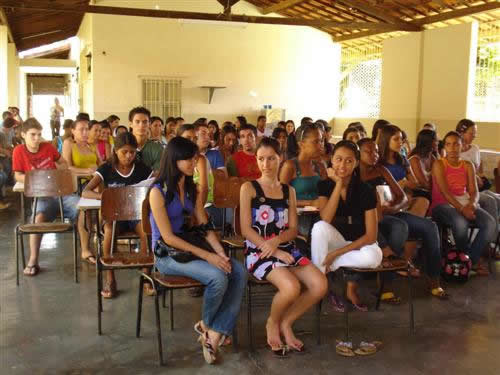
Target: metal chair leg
(410,304)
(158,329)
(318,322)
(139,308)
(16,234)
(99,299)
(23,257)
(75,254)
(171,308)
(346,310)
(381,276)
(236,342)
(249,317)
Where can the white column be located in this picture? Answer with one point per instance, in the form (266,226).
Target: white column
(4,82)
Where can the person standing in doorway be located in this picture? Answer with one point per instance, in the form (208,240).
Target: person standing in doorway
(56,111)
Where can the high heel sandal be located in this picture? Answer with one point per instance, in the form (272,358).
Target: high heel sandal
(208,350)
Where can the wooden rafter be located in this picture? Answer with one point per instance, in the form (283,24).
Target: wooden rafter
(457,13)
(138,12)
(379,13)
(282,5)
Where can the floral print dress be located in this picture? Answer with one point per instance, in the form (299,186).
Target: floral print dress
(269,219)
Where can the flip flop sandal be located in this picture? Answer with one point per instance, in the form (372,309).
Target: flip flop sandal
(358,307)
(301,350)
(390,298)
(109,291)
(280,352)
(32,270)
(366,348)
(344,349)
(149,290)
(440,294)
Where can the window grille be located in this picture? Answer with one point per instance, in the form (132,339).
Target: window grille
(486,98)
(162,96)
(360,81)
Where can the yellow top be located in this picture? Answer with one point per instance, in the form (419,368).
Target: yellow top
(81,160)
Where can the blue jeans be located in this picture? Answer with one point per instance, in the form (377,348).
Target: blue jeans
(50,207)
(223,292)
(427,230)
(448,216)
(393,232)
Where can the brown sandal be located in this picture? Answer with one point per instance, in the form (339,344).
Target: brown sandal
(32,270)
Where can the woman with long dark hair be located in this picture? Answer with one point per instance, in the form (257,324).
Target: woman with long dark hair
(175,204)
(421,159)
(346,236)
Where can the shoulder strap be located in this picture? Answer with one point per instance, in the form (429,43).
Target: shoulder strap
(297,167)
(286,191)
(258,189)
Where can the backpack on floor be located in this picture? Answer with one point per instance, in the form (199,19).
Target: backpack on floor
(456,266)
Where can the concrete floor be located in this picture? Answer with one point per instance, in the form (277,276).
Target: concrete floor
(48,326)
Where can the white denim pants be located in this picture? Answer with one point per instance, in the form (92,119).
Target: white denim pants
(325,238)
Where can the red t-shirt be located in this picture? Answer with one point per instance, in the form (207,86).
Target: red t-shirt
(246,165)
(24,160)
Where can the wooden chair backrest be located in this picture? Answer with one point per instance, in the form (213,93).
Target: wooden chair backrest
(123,203)
(227,190)
(146,224)
(49,183)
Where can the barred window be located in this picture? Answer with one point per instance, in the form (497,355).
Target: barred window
(360,81)
(162,96)
(485,103)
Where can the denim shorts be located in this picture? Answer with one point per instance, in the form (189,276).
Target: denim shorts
(50,207)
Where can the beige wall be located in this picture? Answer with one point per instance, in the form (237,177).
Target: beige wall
(294,68)
(78,52)
(4,82)
(401,77)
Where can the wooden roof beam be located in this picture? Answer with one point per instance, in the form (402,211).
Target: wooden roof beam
(282,5)
(138,12)
(457,13)
(381,14)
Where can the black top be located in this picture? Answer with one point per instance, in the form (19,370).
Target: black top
(112,178)
(349,219)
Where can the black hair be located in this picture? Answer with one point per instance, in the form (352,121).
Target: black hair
(379,124)
(261,117)
(201,121)
(425,139)
(463,125)
(121,127)
(228,129)
(184,128)
(177,119)
(305,120)
(82,116)
(386,133)
(356,174)
(217,130)
(293,123)
(169,174)
(92,123)
(138,110)
(354,124)
(6,115)
(281,124)
(269,142)
(349,130)
(303,131)
(169,119)
(105,124)
(430,125)
(277,132)
(155,118)
(247,127)
(451,133)
(364,141)
(124,139)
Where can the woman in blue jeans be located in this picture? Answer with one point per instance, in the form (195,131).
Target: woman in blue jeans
(401,224)
(455,202)
(174,204)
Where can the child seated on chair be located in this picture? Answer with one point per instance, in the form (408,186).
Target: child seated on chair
(35,154)
(347,234)
(122,170)
(269,224)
